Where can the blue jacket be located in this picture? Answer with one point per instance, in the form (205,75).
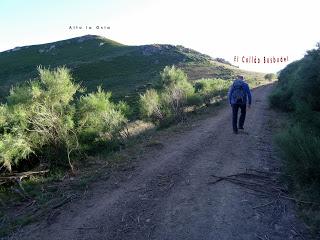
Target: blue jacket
(246,89)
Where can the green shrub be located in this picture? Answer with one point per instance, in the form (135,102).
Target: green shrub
(167,104)
(172,75)
(175,92)
(174,99)
(185,86)
(43,118)
(39,118)
(150,106)
(14,147)
(282,99)
(195,100)
(211,88)
(301,153)
(270,76)
(300,150)
(298,82)
(307,85)
(3,117)
(297,92)
(99,120)
(298,89)
(124,108)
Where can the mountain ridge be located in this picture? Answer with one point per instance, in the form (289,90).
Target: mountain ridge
(99,61)
(79,39)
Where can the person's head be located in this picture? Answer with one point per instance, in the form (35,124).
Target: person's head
(240,77)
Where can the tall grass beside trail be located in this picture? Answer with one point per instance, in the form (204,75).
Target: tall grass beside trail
(43,121)
(297,93)
(174,92)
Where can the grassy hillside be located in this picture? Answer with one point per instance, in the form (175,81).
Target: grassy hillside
(94,61)
(124,70)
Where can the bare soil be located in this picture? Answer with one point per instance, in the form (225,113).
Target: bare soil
(171,193)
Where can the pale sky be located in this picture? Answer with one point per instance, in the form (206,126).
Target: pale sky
(224,29)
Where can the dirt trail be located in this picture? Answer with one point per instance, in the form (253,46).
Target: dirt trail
(167,195)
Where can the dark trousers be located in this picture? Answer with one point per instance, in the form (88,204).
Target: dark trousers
(235,108)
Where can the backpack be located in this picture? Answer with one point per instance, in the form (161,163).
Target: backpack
(238,94)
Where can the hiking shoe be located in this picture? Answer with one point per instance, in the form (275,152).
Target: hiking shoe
(235,132)
(241,128)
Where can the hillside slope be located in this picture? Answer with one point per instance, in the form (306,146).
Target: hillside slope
(94,60)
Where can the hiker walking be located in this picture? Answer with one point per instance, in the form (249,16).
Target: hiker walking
(238,94)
